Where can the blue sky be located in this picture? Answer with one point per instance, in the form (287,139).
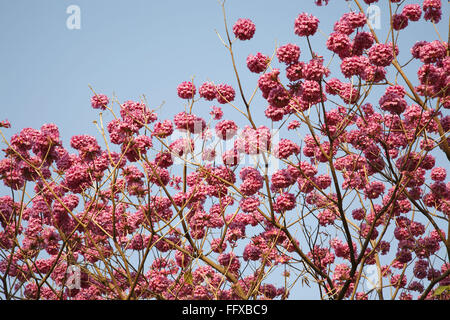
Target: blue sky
(136,47)
(140,47)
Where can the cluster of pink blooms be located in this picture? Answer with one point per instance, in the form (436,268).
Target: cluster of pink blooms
(202,224)
(244,29)
(224,93)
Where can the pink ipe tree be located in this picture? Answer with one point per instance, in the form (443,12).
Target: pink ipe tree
(341,187)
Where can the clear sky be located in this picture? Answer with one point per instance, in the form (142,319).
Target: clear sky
(144,47)
(138,47)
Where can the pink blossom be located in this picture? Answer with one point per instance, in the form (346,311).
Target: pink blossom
(225,93)
(268,81)
(226,129)
(432,10)
(381,54)
(354,66)
(294,71)
(339,43)
(438,174)
(326,217)
(399,21)
(306,25)
(207,91)
(5,124)
(186,90)
(412,11)
(189,122)
(257,63)
(294,124)
(99,101)
(163,129)
(244,29)
(279,97)
(249,204)
(285,202)
(289,53)
(285,149)
(374,189)
(311,91)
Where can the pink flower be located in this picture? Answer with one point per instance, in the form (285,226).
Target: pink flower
(341,272)
(415,50)
(136,114)
(399,280)
(274,113)
(412,11)
(381,54)
(323,181)
(230,261)
(252,252)
(87,145)
(258,63)
(319,2)
(189,122)
(218,246)
(354,66)
(321,257)
(363,40)
(279,97)
(311,91)
(399,21)
(315,70)
(374,74)
(207,91)
(432,10)
(99,101)
(186,90)
(374,189)
(288,54)
(244,29)
(438,174)
(182,146)
(77,178)
(294,124)
(231,157)
(163,129)
(339,43)
(253,141)
(249,204)
(393,102)
(356,19)
(284,202)
(430,52)
(326,217)
(343,25)
(294,71)
(5,124)
(216,112)
(268,81)
(226,129)
(306,25)
(282,179)
(225,93)
(252,181)
(285,149)
(358,214)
